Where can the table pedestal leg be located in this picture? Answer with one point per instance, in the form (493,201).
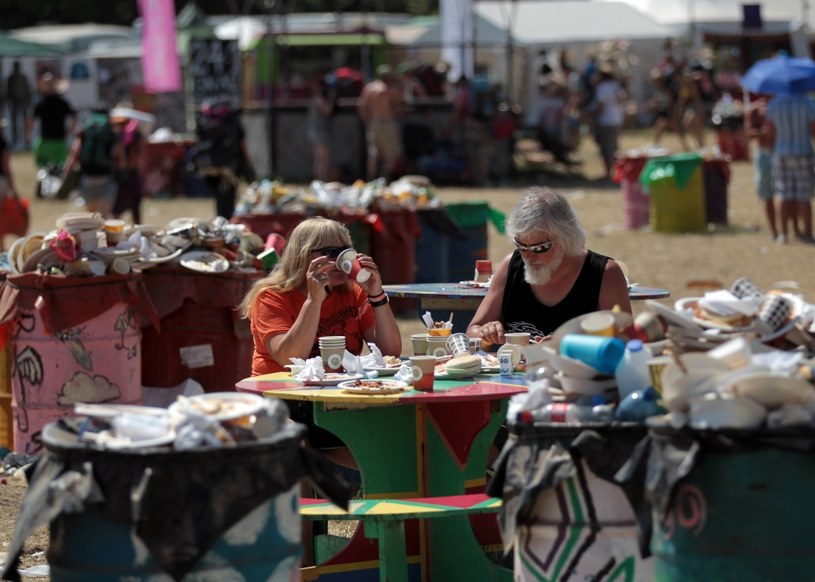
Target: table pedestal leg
(392,554)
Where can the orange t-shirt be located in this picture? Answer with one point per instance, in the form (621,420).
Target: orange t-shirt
(345,312)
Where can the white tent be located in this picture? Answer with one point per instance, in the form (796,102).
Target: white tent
(683,17)
(579,28)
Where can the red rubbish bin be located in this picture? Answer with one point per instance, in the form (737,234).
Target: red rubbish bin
(202,336)
(393,249)
(636,204)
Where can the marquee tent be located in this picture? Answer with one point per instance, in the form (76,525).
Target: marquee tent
(579,28)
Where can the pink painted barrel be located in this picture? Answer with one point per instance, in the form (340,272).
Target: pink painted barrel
(96,361)
(636,204)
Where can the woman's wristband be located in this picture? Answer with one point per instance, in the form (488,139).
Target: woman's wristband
(381,302)
(377,296)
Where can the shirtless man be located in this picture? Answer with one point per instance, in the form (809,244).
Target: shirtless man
(379,106)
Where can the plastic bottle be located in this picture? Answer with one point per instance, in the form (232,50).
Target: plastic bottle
(638,406)
(632,370)
(568,412)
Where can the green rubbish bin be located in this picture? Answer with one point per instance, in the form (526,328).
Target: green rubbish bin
(741,511)
(471,245)
(677,191)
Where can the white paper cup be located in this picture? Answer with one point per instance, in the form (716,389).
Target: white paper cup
(518,339)
(598,324)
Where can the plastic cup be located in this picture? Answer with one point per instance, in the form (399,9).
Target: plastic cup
(601,353)
(349,264)
(518,339)
(601,324)
(114,230)
(419,341)
(434,331)
(458,344)
(483,271)
(437,346)
(475,345)
(119,267)
(424,372)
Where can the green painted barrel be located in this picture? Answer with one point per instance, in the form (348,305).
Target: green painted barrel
(740,515)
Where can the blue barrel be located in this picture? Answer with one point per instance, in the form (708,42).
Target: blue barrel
(433,245)
(741,513)
(471,244)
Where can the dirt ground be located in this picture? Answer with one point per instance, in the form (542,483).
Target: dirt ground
(723,254)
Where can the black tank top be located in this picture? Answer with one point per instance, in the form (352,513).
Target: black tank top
(522,312)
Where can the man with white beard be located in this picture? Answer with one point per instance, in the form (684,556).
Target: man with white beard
(551,277)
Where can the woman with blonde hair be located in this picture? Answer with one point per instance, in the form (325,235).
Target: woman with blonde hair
(306,297)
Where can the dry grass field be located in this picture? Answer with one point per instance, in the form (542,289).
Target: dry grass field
(743,247)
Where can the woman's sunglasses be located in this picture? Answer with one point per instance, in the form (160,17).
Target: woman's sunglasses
(331,252)
(538,249)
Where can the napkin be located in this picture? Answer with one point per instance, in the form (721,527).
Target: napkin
(351,363)
(374,359)
(312,368)
(405,373)
(724,302)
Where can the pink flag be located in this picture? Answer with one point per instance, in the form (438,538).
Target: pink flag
(162,71)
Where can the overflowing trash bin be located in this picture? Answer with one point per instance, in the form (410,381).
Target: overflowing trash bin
(202,336)
(72,340)
(206,490)
(676,188)
(563,512)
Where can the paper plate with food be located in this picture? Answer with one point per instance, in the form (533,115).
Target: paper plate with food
(392,365)
(331,379)
(373,387)
(219,405)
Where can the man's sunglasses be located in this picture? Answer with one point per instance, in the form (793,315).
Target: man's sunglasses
(331,252)
(538,249)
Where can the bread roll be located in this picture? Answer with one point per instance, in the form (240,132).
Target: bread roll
(465,362)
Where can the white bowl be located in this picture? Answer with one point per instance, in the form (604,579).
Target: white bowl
(570,366)
(584,386)
(714,413)
(700,377)
(772,390)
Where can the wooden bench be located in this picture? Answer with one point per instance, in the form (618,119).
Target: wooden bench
(384,521)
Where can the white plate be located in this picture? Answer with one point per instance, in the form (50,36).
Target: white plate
(220,405)
(721,326)
(120,444)
(108,411)
(332,379)
(670,316)
(146,264)
(458,374)
(12,255)
(204,262)
(382,387)
(386,371)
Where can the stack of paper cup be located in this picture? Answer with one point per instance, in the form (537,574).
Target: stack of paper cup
(332,348)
